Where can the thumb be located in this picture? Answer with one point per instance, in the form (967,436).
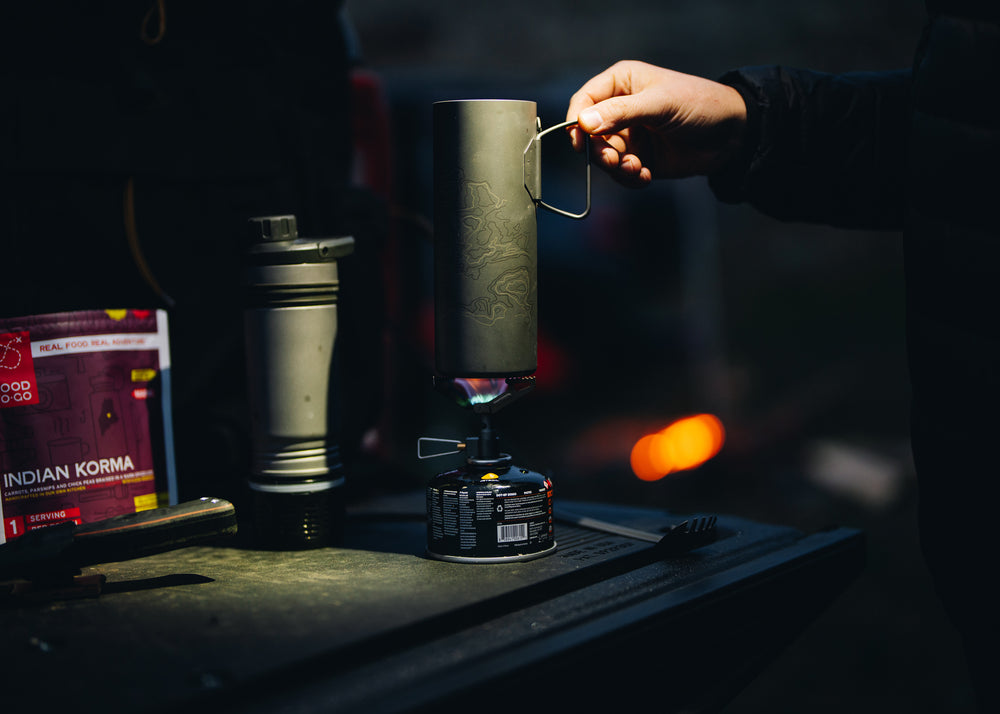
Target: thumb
(612,114)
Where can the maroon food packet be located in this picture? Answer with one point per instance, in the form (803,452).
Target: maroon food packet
(85,425)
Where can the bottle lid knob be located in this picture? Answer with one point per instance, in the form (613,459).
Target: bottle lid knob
(273,228)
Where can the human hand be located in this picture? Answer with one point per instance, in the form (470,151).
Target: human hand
(648,122)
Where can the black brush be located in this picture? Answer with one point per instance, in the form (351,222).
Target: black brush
(673,540)
(688,535)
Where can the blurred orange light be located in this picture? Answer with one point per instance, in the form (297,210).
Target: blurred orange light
(642,463)
(685,444)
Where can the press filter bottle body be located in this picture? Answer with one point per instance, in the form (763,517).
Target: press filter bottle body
(296,474)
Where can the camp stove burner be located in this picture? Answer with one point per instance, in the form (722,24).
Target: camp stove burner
(489,510)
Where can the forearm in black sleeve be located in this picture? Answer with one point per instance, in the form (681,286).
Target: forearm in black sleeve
(821,148)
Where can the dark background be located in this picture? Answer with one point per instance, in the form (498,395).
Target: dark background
(664,303)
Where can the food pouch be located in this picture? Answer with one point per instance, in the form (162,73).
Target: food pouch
(85,426)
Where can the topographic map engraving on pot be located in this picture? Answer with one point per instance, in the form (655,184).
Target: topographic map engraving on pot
(497,254)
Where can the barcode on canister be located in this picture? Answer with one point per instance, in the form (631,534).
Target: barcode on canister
(512,532)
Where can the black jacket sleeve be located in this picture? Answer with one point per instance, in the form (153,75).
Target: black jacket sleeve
(821,148)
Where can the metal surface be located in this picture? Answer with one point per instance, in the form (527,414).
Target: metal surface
(377,626)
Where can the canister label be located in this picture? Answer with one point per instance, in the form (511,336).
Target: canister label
(468,517)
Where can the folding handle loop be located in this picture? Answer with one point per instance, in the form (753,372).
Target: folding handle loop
(532,180)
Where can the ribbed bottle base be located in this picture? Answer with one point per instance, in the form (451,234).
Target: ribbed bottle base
(298,521)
